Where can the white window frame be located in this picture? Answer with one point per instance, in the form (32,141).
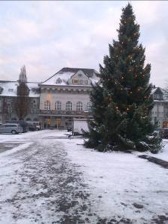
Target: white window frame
(58,105)
(79,106)
(47,105)
(68,106)
(89,107)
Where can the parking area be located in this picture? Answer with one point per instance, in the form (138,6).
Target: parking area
(8,146)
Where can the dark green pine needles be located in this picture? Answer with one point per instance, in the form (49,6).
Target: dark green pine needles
(122,101)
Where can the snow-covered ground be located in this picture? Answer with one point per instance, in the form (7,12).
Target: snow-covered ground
(122,187)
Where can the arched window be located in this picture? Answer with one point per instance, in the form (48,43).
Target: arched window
(35,119)
(58,105)
(89,107)
(47,105)
(68,106)
(28,119)
(14,119)
(79,106)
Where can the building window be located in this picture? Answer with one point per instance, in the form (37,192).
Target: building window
(0,105)
(58,81)
(28,119)
(158,96)
(1,89)
(68,106)
(47,105)
(35,119)
(13,119)
(75,81)
(57,105)
(81,82)
(89,107)
(34,106)
(79,106)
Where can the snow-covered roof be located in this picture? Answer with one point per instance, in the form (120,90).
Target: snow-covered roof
(159,90)
(63,77)
(65,74)
(34,89)
(9,88)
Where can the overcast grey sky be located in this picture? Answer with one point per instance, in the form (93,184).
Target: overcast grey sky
(46,36)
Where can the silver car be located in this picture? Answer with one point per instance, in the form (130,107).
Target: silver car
(11,128)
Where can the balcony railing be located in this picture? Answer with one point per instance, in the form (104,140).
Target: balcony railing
(63,112)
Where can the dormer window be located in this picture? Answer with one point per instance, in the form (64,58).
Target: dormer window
(75,81)
(1,89)
(158,96)
(58,81)
(79,79)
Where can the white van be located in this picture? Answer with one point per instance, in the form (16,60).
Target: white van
(79,125)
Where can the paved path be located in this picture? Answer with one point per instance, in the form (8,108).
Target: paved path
(48,187)
(42,186)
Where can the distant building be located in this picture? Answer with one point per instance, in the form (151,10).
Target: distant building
(159,113)
(65,96)
(8,95)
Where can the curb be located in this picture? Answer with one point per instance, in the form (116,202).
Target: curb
(157,161)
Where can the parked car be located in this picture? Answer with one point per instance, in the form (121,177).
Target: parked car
(33,126)
(38,125)
(11,128)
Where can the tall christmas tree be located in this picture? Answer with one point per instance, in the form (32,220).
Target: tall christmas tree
(122,101)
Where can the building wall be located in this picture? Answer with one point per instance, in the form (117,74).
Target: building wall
(63,118)
(8,110)
(64,98)
(8,96)
(159,113)
(74,89)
